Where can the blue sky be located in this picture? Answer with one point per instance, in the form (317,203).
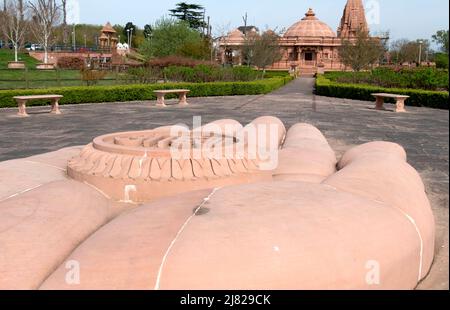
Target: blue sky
(409,19)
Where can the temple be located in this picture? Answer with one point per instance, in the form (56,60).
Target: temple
(310,45)
(108,38)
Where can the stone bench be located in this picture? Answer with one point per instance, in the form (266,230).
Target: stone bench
(22,103)
(400,101)
(182,93)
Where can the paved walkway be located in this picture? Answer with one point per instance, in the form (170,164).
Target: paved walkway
(423,132)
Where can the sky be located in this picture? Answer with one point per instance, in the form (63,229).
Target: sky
(410,19)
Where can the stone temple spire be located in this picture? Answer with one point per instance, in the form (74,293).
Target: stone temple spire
(353,19)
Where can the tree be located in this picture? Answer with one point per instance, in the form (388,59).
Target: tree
(64,25)
(46,15)
(129,31)
(148,31)
(193,14)
(21,9)
(441,38)
(262,50)
(84,31)
(14,25)
(361,52)
(170,37)
(441,60)
(407,51)
(198,49)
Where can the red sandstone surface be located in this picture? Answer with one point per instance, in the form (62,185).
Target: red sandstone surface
(364,222)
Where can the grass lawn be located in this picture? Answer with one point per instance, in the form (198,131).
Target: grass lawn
(7,55)
(16,79)
(32,78)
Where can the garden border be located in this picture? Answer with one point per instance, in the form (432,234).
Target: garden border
(418,98)
(143,92)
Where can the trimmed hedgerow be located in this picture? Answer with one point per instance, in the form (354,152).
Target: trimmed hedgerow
(420,98)
(97,94)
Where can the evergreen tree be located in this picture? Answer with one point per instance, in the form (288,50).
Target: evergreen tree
(148,30)
(193,14)
(129,27)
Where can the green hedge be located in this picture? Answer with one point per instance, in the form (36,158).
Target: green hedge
(272,73)
(420,98)
(96,94)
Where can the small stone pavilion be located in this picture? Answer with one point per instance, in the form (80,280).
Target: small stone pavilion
(309,45)
(108,38)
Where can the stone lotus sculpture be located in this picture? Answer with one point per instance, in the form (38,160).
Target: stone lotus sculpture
(141,166)
(311,223)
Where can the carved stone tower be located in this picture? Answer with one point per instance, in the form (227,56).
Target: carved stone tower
(353,19)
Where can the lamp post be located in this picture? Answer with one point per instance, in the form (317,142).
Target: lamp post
(420,52)
(131,37)
(74,39)
(85,41)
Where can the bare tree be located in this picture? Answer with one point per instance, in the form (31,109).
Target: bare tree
(266,50)
(407,51)
(249,46)
(219,39)
(14,24)
(21,9)
(46,15)
(361,53)
(65,30)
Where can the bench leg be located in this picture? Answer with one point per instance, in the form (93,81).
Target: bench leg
(161,102)
(183,99)
(380,103)
(22,108)
(55,107)
(401,106)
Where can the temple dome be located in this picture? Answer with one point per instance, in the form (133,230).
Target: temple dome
(236,35)
(108,28)
(310,26)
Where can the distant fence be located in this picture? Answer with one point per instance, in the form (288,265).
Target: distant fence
(33,78)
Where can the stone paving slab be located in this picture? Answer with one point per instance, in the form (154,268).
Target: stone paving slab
(423,132)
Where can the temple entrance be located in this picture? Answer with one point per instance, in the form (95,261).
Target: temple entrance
(228,57)
(309,58)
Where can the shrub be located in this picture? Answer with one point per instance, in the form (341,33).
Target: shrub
(422,98)
(70,63)
(180,74)
(441,60)
(178,61)
(244,74)
(206,73)
(420,78)
(146,75)
(96,94)
(272,73)
(91,77)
